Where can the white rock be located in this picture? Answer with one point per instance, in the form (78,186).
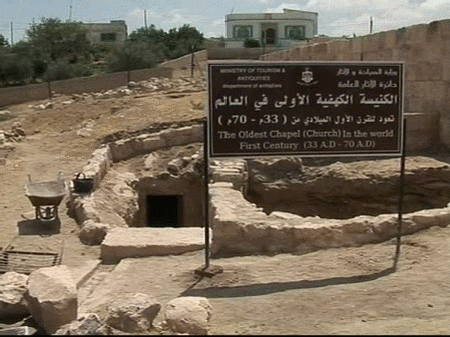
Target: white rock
(132,312)
(189,314)
(93,233)
(52,297)
(5,114)
(13,287)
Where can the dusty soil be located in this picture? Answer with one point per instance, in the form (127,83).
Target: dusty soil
(334,291)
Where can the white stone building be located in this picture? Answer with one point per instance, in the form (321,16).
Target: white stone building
(113,32)
(271,29)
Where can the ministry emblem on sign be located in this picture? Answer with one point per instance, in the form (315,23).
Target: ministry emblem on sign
(307,77)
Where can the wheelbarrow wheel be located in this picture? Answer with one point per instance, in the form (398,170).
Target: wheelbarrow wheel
(46,213)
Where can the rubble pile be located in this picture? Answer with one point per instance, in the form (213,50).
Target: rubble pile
(152,85)
(16,134)
(50,296)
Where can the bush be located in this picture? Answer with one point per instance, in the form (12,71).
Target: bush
(133,56)
(60,70)
(82,70)
(251,43)
(14,69)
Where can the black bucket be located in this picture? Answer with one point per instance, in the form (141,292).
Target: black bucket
(81,184)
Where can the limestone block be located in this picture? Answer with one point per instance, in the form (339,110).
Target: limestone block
(52,297)
(374,56)
(121,243)
(188,315)
(84,209)
(132,312)
(356,57)
(446,70)
(2,137)
(92,233)
(150,161)
(367,44)
(426,71)
(98,165)
(390,39)
(417,34)
(356,45)
(438,90)
(150,143)
(422,121)
(422,130)
(182,136)
(125,148)
(432,217)
(13,287)
(233,176)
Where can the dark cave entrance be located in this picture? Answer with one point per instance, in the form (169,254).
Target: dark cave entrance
(164,211)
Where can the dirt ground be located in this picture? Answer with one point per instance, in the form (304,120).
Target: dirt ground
(334,291)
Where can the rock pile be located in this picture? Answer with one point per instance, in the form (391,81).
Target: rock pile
(16,134)
(50,296)
(153,85)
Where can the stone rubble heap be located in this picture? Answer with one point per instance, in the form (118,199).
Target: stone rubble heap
(16,134)
(50,295)
(153,85)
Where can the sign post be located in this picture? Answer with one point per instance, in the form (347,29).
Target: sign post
(307,109)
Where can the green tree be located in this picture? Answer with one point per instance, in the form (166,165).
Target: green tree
(3,41)
(59,40)
(184,40)
(14,69)
(38,60)
(133,56)
(148,35)
(168,45)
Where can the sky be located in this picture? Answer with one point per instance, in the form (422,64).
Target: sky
(336,17)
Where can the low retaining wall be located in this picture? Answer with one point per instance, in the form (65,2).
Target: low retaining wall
(241,228)
(131,147)
(35,92)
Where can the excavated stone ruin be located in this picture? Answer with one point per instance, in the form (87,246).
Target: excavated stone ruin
(346,190)
(258,206)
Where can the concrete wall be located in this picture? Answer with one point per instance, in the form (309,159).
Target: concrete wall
(424,48)
(17,95)
(184,62)
(238,53)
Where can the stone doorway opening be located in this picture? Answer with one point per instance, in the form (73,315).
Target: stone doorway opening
(164,211)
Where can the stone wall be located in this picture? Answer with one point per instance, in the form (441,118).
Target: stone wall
(242,228)
(28,93)
(425,51)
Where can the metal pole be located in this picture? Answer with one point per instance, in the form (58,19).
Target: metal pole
(192,61)
(145,18)
(205,153)
(400,200)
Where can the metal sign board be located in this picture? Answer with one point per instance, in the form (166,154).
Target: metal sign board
(305,108)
